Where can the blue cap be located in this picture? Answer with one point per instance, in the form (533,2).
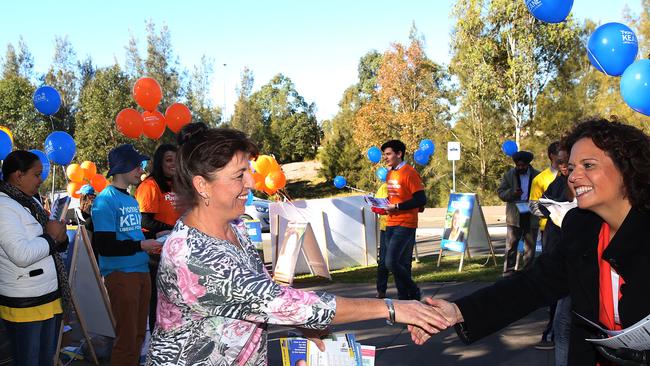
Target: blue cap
(123,159)
(86,189)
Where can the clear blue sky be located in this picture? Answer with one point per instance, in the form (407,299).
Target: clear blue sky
(316,43)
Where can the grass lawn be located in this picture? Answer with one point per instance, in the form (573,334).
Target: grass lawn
(424,271)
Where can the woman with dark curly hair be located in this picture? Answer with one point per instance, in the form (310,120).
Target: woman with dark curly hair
(602,261)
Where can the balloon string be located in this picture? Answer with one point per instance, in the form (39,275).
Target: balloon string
(596,59)
(53,180)
(51,122)
(357,189)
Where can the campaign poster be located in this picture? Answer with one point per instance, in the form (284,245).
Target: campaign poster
(457,221)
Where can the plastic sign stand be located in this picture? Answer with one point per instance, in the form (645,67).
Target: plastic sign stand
(299,238)
(89,296)
(465,227)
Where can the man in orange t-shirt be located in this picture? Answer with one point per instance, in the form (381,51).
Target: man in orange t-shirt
(406,197)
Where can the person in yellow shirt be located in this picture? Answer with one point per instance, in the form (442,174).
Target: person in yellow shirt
(557,155)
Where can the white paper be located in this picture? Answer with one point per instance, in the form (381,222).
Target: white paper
(557,209)
(636,337)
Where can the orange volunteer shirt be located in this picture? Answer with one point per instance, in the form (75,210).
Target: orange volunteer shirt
(152,200)
(401,184)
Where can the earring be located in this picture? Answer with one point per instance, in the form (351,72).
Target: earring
(206,199)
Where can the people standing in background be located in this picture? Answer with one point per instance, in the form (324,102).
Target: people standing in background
(406,197)
(156,198)
(123,258)
(515,188)
(33,281)
(558,191)
(538,189)
(84,213)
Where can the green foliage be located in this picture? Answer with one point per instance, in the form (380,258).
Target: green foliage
(290,129)
(18,114)
(197,94)
(479,268)
(63,76)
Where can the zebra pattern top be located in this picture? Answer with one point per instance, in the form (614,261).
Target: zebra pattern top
(215,300)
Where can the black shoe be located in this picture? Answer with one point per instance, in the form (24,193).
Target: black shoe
(381,295)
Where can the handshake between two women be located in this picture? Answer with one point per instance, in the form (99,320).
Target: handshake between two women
(445,309)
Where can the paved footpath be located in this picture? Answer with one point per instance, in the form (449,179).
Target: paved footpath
(512,346)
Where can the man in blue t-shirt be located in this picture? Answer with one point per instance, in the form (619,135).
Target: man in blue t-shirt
(123,254)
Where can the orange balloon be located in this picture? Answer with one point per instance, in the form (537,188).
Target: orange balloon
(259,181)
(270,191)
(75,173)
(263,164)
(89,168)
(129,123)
(147,93)
(275,167)
(275,180)
(154,124)
(177,116)
(73,189)
(99,182)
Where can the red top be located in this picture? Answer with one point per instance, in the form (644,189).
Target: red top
(401,184)
(606,308)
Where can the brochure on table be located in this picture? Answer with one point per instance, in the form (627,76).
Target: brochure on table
(340,350)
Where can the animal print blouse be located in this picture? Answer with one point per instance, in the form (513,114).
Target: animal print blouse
(215,300)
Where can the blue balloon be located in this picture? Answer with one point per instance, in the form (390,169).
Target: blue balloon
(249,199)
(340,182)
(550,11)
(46,163)
(60,147)
(612,48)
(5,145)
(427,146)
(374,154)
(421,157)
(381,173)
(635,86)
(47,100)
(509,147)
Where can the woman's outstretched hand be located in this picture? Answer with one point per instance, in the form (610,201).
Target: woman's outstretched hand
(418,314)
(448,310)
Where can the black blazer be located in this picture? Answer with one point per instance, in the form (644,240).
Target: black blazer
(570,269)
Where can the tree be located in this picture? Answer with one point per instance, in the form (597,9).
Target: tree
(162,65)
(197,94)
(411,102)
(247,116)
(18,114)
(291,131)
(18,64)
(63,77)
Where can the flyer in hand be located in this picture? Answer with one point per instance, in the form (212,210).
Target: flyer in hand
(376,202)
(59,208)
(636,337)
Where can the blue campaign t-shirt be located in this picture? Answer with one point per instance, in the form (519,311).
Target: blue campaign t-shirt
(116,211)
